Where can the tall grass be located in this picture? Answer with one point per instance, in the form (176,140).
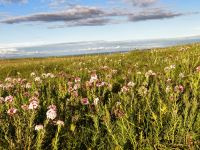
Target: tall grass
(136,100)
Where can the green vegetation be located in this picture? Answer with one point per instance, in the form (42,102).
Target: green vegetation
(138,100)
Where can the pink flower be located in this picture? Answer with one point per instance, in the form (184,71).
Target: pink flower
(12,111)
(39,127)
(9,98)
(52,107)
(179,88)
(85,101)
(33,105)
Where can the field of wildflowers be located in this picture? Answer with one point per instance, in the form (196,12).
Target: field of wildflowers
(142,100)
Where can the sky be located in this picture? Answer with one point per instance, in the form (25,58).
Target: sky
(32,22)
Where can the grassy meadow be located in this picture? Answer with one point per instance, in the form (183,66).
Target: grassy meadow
(140,100)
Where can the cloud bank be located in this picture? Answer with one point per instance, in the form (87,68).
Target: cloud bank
(142,3)
(92,16)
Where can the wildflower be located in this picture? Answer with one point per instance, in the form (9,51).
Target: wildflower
(118,103)
(114,71)
(88,84)
(100,84)
(53,107)
(149,73)
(124,89)
(119,113)
(33,104)
(75,93)
(77,79)
(70,89)
(44,75)
(85,101)
(172,66)
(179,88)
(33,74)
(26,94)
(12,111)
(28,85)
(142,91)
(25,107)
(39,127)
(181,75)
(50,75)
(168,89)
(37,79)
(166,69)
(9,99)
(51,114)
(131,84)
(60,122)
(1,100)
(76,86)
(93,78)
(198,69)
(8,79)
(96,100)
(169,80)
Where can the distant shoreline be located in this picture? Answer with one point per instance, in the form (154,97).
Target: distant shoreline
(93,53)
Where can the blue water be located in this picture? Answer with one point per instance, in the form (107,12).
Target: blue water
(79,48)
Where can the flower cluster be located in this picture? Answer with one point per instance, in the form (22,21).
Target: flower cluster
(52,112)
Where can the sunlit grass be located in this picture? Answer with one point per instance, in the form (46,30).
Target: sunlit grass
(135,100)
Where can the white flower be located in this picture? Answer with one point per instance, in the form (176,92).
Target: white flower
(8,79)
(33,105)
(44,75)
(51,114)
(60,122)
(96,100)
(37,79)
(1,100)
(124,89)
(172,66)
(181,75)
(33,74)
(28,85)
(93,78)
(39,127)
(131,84)
(168,89)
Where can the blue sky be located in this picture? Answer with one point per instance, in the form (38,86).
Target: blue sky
(54,21)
